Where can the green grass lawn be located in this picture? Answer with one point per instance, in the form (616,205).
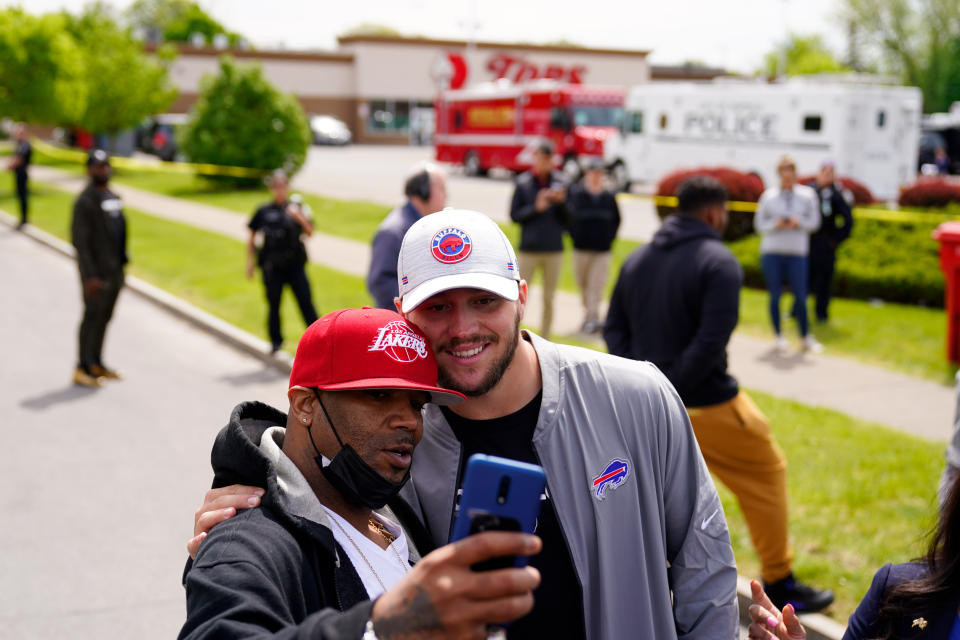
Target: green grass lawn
(901,337)
(861,495)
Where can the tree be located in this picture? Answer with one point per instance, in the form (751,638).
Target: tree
(803,55)
(177,21)
(370,29)
(916,39)
(123,84)
(241,120)
(41,70)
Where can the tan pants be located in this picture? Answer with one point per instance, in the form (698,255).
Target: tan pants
(736,443)
(550,262)
(591,269)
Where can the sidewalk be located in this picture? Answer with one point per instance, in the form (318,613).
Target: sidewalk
(863,391)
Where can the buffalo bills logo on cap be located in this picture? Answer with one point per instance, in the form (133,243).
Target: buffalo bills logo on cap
(400,342)
(450,245)
(612,477)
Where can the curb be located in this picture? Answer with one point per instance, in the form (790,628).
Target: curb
(818,627)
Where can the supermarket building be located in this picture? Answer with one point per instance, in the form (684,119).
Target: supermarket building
(383,87)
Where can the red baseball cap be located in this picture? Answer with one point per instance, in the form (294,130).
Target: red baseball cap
(367,349)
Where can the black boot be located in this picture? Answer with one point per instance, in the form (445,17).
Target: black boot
(803,597)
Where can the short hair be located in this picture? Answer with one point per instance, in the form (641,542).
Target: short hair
(545,148)
(418,180)
(698,192)
(786,161)
(278,174)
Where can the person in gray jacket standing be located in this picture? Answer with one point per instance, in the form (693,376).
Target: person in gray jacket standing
(635,542)
(785,218)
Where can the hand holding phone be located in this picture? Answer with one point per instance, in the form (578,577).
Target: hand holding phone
(499,495)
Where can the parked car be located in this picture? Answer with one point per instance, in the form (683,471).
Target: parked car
(329,130)
(157,135)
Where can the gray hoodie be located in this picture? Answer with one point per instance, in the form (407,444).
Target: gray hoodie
(659,529)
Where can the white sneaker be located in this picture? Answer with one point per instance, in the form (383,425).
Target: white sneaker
(782,345)
(810,344)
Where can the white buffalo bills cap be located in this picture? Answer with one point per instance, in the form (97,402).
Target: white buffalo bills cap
(454,249)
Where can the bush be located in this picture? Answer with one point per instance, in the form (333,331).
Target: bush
(892,261)
(930,192)
(241,120)
(743,187)
(861,194)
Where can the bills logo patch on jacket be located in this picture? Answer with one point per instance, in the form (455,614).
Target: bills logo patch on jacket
(612,477)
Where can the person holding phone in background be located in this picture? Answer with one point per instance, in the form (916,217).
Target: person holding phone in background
(539,206)
(331,551)
(785,218)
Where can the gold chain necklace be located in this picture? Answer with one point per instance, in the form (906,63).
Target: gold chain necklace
(403,565)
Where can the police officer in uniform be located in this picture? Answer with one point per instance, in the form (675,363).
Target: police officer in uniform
(281,256)
(835,227)
(99,232)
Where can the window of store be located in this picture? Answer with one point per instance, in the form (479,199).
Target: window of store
(393,117)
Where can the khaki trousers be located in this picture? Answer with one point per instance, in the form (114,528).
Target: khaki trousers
(550,262)
(736,443)
(591,269)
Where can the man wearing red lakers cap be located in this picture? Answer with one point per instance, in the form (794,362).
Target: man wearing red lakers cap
(332,551)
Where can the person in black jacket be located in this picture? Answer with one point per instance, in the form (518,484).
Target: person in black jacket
(835,227)
(282,257)
(99,231)
(19,163)
(594,221)
(676,304)
(539,206)
(332,551)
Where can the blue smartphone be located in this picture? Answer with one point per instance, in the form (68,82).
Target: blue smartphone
(499,494)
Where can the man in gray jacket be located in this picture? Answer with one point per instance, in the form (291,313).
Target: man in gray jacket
(785,218)
(635,543)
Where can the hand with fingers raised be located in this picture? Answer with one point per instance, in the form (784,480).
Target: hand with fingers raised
(219,505)
(767,623)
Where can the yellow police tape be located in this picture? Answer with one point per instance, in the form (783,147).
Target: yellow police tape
(867,213)
(73,155)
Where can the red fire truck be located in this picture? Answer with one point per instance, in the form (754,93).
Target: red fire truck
(499,125)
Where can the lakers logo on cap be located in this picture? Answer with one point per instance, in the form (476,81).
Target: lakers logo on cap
(398,340)
(450,245)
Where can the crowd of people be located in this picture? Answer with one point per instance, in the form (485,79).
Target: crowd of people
(320,524)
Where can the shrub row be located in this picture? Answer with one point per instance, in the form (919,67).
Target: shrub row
(892,261)
(931,192)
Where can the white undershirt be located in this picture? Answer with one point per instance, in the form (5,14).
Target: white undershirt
(385,562)
(300,500)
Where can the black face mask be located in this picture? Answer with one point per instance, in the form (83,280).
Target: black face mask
(357,482)
(100,180)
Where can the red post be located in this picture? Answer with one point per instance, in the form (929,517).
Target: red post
(948,235)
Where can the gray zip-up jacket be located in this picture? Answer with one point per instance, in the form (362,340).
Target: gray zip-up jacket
(660,527)
(800,204)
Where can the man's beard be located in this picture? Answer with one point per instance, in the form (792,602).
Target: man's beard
(497,369)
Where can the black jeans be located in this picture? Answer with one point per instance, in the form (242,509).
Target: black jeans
(822,262)
(97,310)
(22,193)
(274,278)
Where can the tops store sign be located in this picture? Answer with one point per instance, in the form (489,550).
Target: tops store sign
(451,70)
